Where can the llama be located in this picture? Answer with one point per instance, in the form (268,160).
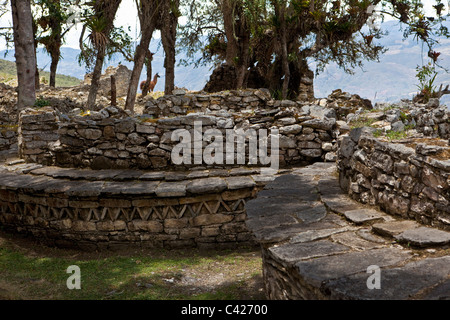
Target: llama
(152,84)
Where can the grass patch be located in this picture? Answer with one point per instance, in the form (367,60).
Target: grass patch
(8,73)
(40,273)
(362,121)
(396,135)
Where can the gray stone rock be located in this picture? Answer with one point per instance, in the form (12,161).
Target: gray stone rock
(319,111)
(323,124)
(424,237)
(353,240)
(208,185)
(311,153)
(393,228)
(363,215)
(397,283)
(171,189)
(92,134)
(312,235)
(315,271)
(239,182)
(292,129)
(433,103)
(293,252)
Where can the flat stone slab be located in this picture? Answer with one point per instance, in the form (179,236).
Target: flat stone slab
(152,176)
(360,216)
(312,235)
(260,207)
(262,180)
(239,182)
(175,176)
(293,252)
(283,232)
(424,237)
(15,181)
(313,212)
(397,283)
(341,203)
(305,194)
(315,271)
(243,171)
(264,222)
(171,189)
(208,185)
(80,189)
(353,240)
(393,228)
(439,292)
(124,175)
(130,188)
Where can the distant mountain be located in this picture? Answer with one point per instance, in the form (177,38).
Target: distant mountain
(8,74)
(391,79)
(187,77)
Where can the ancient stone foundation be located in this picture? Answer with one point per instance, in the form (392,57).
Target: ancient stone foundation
(110,139)
(409,179)
(8,130)
(317,243)
(115,208)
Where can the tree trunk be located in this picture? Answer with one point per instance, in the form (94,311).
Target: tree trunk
(148,17)
(227,9)
(24,52)
(37,84)
(53,67)
(139,58)
(113,92)
(37,81)
(238,40)
(168,37)
(107,10)
(148,65)
(95,82)
(243,61)
(284,52)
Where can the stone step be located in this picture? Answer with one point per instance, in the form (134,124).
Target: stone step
(424,237)
(309,254)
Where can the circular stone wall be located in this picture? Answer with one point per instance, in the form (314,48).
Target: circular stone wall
(107,209)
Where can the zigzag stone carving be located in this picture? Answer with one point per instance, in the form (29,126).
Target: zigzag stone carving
(105,215)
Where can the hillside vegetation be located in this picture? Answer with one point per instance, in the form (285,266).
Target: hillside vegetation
(8,75)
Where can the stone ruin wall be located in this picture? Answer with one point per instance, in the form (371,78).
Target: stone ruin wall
(411,180)
(8,131)
(96,215)
(8,117)
(110,139)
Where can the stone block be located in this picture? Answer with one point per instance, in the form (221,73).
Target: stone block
(189,233)
(210,219)
(208,185)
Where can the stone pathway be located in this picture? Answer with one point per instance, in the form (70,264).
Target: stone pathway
(317,243)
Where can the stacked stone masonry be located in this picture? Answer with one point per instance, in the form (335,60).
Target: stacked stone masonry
(108,209)
(8,130)
(409,179)
(318,244)
(111,139)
